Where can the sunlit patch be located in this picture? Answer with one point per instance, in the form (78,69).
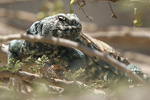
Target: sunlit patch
(105,77)
(106,66)
(93,69)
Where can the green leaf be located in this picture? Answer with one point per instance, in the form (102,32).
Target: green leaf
(73,76)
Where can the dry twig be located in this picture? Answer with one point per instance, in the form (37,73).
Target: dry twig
(84,11)
(12,1)
(113,14)
(72,44)
(29,77)
(21,75)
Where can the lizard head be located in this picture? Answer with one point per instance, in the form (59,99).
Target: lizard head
(61,25)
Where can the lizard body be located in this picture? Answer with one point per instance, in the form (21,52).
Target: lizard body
(68,26)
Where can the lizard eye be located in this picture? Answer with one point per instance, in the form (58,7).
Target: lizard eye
(61,18)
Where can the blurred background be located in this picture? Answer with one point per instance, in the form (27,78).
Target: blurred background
(133,42)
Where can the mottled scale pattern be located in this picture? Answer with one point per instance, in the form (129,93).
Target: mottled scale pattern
(66,26)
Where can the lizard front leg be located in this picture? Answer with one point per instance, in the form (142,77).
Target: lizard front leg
(17,49)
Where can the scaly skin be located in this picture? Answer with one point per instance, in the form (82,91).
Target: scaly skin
(66,26)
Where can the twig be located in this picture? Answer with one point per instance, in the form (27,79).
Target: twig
(21,75)
(84,11)
(12,1)
(77,85)
(135,37)
(113,14)
(72,44)
(29,77)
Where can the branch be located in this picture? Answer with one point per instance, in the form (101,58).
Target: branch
(29,77)
(113,13)
(129,37)
(21,75)
(12,1)
(22,15)
(76,85)
(84,11)
(72,44)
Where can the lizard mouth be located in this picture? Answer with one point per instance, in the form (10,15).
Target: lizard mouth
(68,32)
(71,32)
(66,28)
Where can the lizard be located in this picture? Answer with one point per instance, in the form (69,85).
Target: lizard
(69,26)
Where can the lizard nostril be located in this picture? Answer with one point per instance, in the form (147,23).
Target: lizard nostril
(74,22)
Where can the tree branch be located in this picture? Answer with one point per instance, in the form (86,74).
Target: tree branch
(22,75)
(29,77)
(72,44)
(13,1)
(18,14)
